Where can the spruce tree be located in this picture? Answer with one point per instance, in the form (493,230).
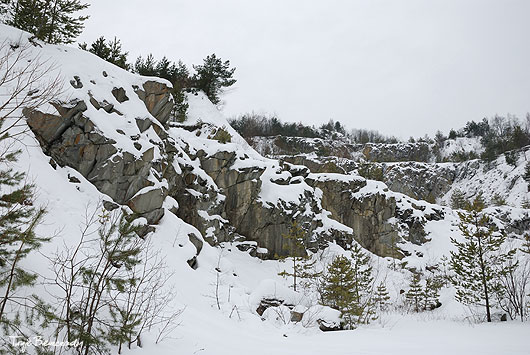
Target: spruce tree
(213,76)
(478,264)
(52,21)
(337,288)
(381,297)
(415,294)
(301,262)
(363,303)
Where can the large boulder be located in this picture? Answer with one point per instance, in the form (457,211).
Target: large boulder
(157,98)
(146,201)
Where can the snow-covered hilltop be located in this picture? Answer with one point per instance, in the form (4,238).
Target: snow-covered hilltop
(216,211)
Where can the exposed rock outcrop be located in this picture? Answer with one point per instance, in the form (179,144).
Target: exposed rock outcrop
(73,140)
(157,98)
(219,191)
(419,180)
(379,222)
(373,152)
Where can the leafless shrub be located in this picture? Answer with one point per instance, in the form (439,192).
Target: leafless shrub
(27,81)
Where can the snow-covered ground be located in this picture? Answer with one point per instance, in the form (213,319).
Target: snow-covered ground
(245,280)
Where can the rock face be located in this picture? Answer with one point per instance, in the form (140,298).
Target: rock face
(218,191)
(373,152)
(72,139)
(249,216)
(379,222)
(419,152)
(419,180)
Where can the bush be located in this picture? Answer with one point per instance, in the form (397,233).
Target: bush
(253,124)
(526,175)
(498,200)
(222,135)
(461,156)
(112,286)
(511,158)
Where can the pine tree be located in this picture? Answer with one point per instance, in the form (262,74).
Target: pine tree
(146,66)
(381,297)
(526,175)
(478,203)
(363,303)
(302,264)
(92,277)
(478,264)
(18,220)
(498,200)
(213,76)
(511,158)
(337,288)
(458,200)
(415,294)
(431,294)
(53,21)
(525,248)
(19,216)
(180,78)
(111,52)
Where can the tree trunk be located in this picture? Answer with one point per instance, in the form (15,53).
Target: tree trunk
(483,272)
(294,271)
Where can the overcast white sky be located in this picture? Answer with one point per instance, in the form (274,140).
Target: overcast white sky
(401,67)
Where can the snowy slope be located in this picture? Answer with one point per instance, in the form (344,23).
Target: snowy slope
(462,145)
(498,178)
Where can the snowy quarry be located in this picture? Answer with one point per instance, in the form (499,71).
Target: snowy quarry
(220,285)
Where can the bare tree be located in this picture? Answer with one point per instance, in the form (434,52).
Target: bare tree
(515,283)
(112,286)
(24,84)
(146,302)
(27,81)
